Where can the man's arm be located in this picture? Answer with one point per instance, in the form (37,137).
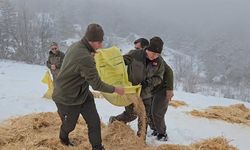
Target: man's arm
(169,78)
(128,58)
(169,82)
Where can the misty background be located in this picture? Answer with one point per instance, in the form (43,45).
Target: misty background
(207,41)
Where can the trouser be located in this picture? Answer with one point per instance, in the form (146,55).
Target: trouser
(159,109)
(129,114)
(70,114)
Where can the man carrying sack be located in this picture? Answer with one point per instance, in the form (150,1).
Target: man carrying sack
(72,95)
(145,67)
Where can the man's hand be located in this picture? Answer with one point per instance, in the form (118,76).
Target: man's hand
(119,90)
(53,67)
(145,83)
(169,95)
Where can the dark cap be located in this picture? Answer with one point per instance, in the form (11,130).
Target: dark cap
(156,45)
(94,33)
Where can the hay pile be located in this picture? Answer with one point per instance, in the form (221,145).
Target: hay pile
(139,109)
(177,103)
(218,143)
(40,132)
(237,113)
(118,136)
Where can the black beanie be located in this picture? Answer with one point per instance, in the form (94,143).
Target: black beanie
(156,45)
(94,33)
(144,42)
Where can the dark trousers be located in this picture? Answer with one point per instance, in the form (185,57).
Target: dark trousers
(70,114)
(159,109)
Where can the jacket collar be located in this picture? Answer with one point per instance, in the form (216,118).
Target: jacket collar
(51,53)
(85,42)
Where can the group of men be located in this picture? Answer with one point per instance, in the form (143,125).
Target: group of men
(76,71)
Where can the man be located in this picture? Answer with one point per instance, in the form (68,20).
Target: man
(141,43)
(145,67)
(55,59)
(163,94)
(72,95)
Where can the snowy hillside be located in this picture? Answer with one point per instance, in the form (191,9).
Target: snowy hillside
(126,44)
(21,93)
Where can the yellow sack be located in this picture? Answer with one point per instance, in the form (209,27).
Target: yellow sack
(48,80)
(112,70)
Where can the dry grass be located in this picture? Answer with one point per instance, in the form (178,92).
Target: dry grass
(118,136)
(139,109)
(177,103)
(218,143)
(234,113)
(141,113)
(40,132)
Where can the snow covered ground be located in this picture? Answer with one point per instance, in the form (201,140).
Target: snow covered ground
(21,93)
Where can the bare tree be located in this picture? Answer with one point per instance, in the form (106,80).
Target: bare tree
(8,24)
(44,30)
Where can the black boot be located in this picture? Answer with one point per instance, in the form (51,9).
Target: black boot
(100,147)
(112,119)
(66,142)
(154,133)
(162,137)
